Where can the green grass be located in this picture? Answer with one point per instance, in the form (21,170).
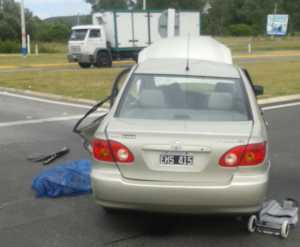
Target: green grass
(52,47)
(279,78)
(88,84)
(261,44)
(18,60)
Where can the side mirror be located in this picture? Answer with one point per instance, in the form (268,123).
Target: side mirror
(258,90)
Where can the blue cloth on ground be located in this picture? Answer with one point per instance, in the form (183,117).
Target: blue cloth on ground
(69,179)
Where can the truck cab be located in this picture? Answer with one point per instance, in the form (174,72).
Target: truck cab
(86,43)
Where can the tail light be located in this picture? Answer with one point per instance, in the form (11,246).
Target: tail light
(247,155)
(111,151)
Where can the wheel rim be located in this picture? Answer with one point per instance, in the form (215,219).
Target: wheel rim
(103,59)
(252,224)
(285,230)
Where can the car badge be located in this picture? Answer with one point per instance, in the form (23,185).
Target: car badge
(177,146)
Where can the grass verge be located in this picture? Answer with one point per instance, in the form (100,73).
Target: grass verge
(19,61)
(278,78)
(86,84)
(261,44)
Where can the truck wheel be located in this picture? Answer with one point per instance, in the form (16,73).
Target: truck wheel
(103,59)
(85,65)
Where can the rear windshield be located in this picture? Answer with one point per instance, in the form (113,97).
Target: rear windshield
(78,34)
(164,97)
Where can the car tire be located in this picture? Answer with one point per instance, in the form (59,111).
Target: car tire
(285,229)
(103,60)
(252,223)
(85,65)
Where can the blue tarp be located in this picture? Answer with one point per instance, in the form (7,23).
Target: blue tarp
(69,179)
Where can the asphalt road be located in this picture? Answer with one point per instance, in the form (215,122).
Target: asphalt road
(76,221)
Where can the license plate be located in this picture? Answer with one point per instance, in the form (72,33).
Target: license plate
(169,159)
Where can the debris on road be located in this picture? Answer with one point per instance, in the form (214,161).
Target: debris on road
(275,219)
(48,158)
(69,179)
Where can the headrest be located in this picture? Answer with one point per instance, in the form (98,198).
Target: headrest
(224,87)
(152,98)
(220,101)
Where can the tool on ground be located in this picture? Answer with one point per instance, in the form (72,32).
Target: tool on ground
(49,158)
(274,218)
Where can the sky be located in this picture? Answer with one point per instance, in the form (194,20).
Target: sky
(49,8)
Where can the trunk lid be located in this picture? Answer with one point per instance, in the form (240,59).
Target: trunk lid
(206,142)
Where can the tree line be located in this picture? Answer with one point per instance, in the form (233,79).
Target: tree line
(225,17)
(10,25)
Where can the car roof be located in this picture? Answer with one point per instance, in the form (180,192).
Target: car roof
(177,66)
(196,48)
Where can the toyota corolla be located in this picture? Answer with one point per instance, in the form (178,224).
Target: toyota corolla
(184,134)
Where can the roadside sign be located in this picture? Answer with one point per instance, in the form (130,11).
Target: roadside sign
(277,25)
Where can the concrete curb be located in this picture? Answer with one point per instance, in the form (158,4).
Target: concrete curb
(279,99)
(268,101)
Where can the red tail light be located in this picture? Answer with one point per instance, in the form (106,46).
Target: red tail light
(111,151)
(247,155)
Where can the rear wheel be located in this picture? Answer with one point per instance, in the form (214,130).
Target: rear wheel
(103,59)
(252,223)
(85,65)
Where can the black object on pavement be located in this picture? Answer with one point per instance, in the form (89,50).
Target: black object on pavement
(49,158)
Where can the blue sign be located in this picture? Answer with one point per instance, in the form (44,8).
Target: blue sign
(277,25)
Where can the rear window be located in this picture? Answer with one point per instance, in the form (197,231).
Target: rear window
(78,34)
(164,97)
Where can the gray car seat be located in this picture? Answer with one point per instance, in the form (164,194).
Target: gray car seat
(220,101)
(152,98)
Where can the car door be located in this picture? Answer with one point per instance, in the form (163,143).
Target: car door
(95,40)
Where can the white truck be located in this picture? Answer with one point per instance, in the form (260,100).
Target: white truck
(123,34)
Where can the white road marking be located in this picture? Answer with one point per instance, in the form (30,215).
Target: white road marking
(46,120)
(267,108)
(45,100)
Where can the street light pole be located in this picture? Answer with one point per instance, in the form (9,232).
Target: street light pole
(23,30)
(144,4)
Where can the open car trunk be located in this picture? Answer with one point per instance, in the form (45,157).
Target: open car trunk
(181,151)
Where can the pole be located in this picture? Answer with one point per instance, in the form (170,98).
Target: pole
(275,8)
(144,4)
(275,13)
(36,49)
(78,19)
(28,45)
(23,30)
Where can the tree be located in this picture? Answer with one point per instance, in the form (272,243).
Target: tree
(107,4)
(50,32)
(10,28)
(151,4)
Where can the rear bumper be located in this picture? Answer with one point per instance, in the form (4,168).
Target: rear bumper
(80,58)
(244,194)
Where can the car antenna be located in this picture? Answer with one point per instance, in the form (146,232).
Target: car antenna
(187,68)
